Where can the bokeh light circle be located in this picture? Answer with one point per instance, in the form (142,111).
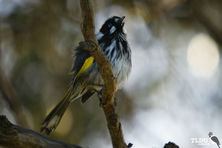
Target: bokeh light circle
(203,56)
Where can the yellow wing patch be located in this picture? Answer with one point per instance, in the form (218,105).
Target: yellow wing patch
(88,63)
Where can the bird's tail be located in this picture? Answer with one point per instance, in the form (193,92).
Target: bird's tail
(53,118)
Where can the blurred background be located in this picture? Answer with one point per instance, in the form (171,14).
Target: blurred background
(172,94)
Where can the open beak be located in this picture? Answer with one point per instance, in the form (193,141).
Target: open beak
(122,21)
(122,18)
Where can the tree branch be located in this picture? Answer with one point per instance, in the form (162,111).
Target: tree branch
(12,136)
(105,70)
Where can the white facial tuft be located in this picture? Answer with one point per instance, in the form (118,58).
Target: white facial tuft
(113,29)
(99,35)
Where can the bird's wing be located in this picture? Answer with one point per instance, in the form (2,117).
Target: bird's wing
(83,61)
(215,139)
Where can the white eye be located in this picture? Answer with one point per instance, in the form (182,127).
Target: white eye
(113,29)
(116,20)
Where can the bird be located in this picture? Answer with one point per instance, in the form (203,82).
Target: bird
(214,139)
(86,79)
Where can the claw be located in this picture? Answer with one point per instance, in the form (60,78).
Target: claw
(99,94)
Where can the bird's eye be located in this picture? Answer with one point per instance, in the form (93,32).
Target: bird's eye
(116,20)
(109,25)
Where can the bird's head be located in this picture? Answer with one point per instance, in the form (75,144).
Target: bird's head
(210,134)
(113,25)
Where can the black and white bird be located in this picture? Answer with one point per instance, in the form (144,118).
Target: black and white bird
(86,78)
(214,139)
